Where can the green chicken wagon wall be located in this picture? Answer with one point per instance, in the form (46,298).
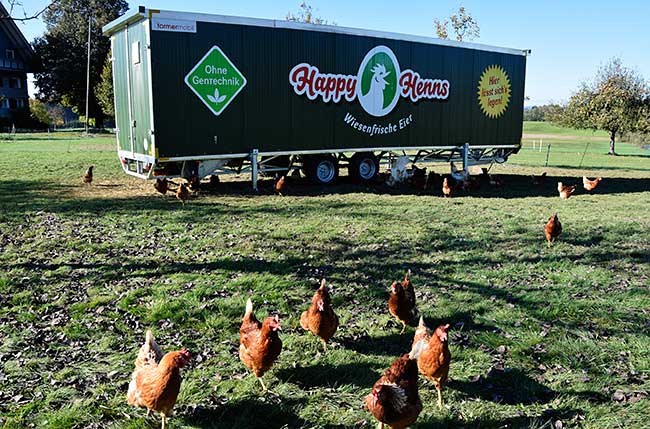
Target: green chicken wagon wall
(225,87)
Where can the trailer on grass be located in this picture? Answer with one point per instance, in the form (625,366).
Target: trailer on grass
(199,94)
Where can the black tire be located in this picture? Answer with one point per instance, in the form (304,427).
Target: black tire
(321,169)
(363,167)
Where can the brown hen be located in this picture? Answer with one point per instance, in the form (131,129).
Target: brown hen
(590,185)
(88,175)
(194,183)
(401,304)
(161,185)
(156,380)
(552,229)
(447,191)
(565,190)
(320,318)
(279,185)
(395,400)
(432,354)
(182,193)
(538,180)
(259,343)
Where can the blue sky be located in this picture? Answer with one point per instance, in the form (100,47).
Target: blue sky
(569,39)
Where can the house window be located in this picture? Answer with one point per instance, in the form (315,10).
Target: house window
(21,103)
(14,82)
(9,53)
(4,103)
(13,103)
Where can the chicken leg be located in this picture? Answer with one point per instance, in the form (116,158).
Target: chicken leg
(324,346)
(164,420)
(263,385)
(439,389)
(403,328)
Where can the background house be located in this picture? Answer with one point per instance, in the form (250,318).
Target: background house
(16,60)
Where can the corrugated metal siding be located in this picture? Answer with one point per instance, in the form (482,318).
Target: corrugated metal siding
(140,103)
(120,83)
(269,116)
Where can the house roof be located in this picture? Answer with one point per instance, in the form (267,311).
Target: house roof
(23,48)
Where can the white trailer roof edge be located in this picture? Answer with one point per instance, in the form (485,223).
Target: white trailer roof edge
(142,12)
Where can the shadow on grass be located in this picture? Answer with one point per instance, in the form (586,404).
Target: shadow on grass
(328,375)
(18,196)
(155,268)
(387,345)
(508,386)
(515,186)
(460,320)
(254,413)
(545,420)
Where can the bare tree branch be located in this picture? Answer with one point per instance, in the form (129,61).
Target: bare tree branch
(14,3)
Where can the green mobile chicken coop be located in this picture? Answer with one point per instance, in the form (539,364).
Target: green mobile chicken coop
(210,94)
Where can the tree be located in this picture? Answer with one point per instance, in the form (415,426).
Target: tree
(542,113)
(462,23)
(643,123)
(39,111)
(46,114)
(613,102)
(104,90)
(306,14)
(63,49)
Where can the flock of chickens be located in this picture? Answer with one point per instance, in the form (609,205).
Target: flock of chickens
(394,399)
(553,227)
(419,180)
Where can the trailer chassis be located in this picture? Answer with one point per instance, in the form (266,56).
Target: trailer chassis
(257,162)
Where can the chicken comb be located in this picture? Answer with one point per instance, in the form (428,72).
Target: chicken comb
(185,353)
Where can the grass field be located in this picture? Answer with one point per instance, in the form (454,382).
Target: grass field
(570,149)
(85,270)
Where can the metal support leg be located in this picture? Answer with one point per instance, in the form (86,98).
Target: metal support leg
(254,155)
(466,159)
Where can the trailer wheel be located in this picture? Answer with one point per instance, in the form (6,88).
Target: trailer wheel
(322,169)
(363,167)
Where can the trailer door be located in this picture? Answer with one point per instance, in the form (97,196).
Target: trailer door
(140,120)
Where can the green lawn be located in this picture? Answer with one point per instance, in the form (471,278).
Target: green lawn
(532,127)
(85,270)
(582,149)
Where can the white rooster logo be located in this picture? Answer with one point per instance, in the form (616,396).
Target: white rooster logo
(374,98)
(216,99)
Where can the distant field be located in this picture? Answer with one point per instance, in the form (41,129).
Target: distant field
(531,127)
(568,146)
(541,338)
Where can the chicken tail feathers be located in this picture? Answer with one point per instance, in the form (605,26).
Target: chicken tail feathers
(149,354)
(249,308)
(421,323)
(417,349)
(304,322)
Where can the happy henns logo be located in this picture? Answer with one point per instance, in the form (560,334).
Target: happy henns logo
(378,83)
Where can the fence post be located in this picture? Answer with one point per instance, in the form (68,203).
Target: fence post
(548,152)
